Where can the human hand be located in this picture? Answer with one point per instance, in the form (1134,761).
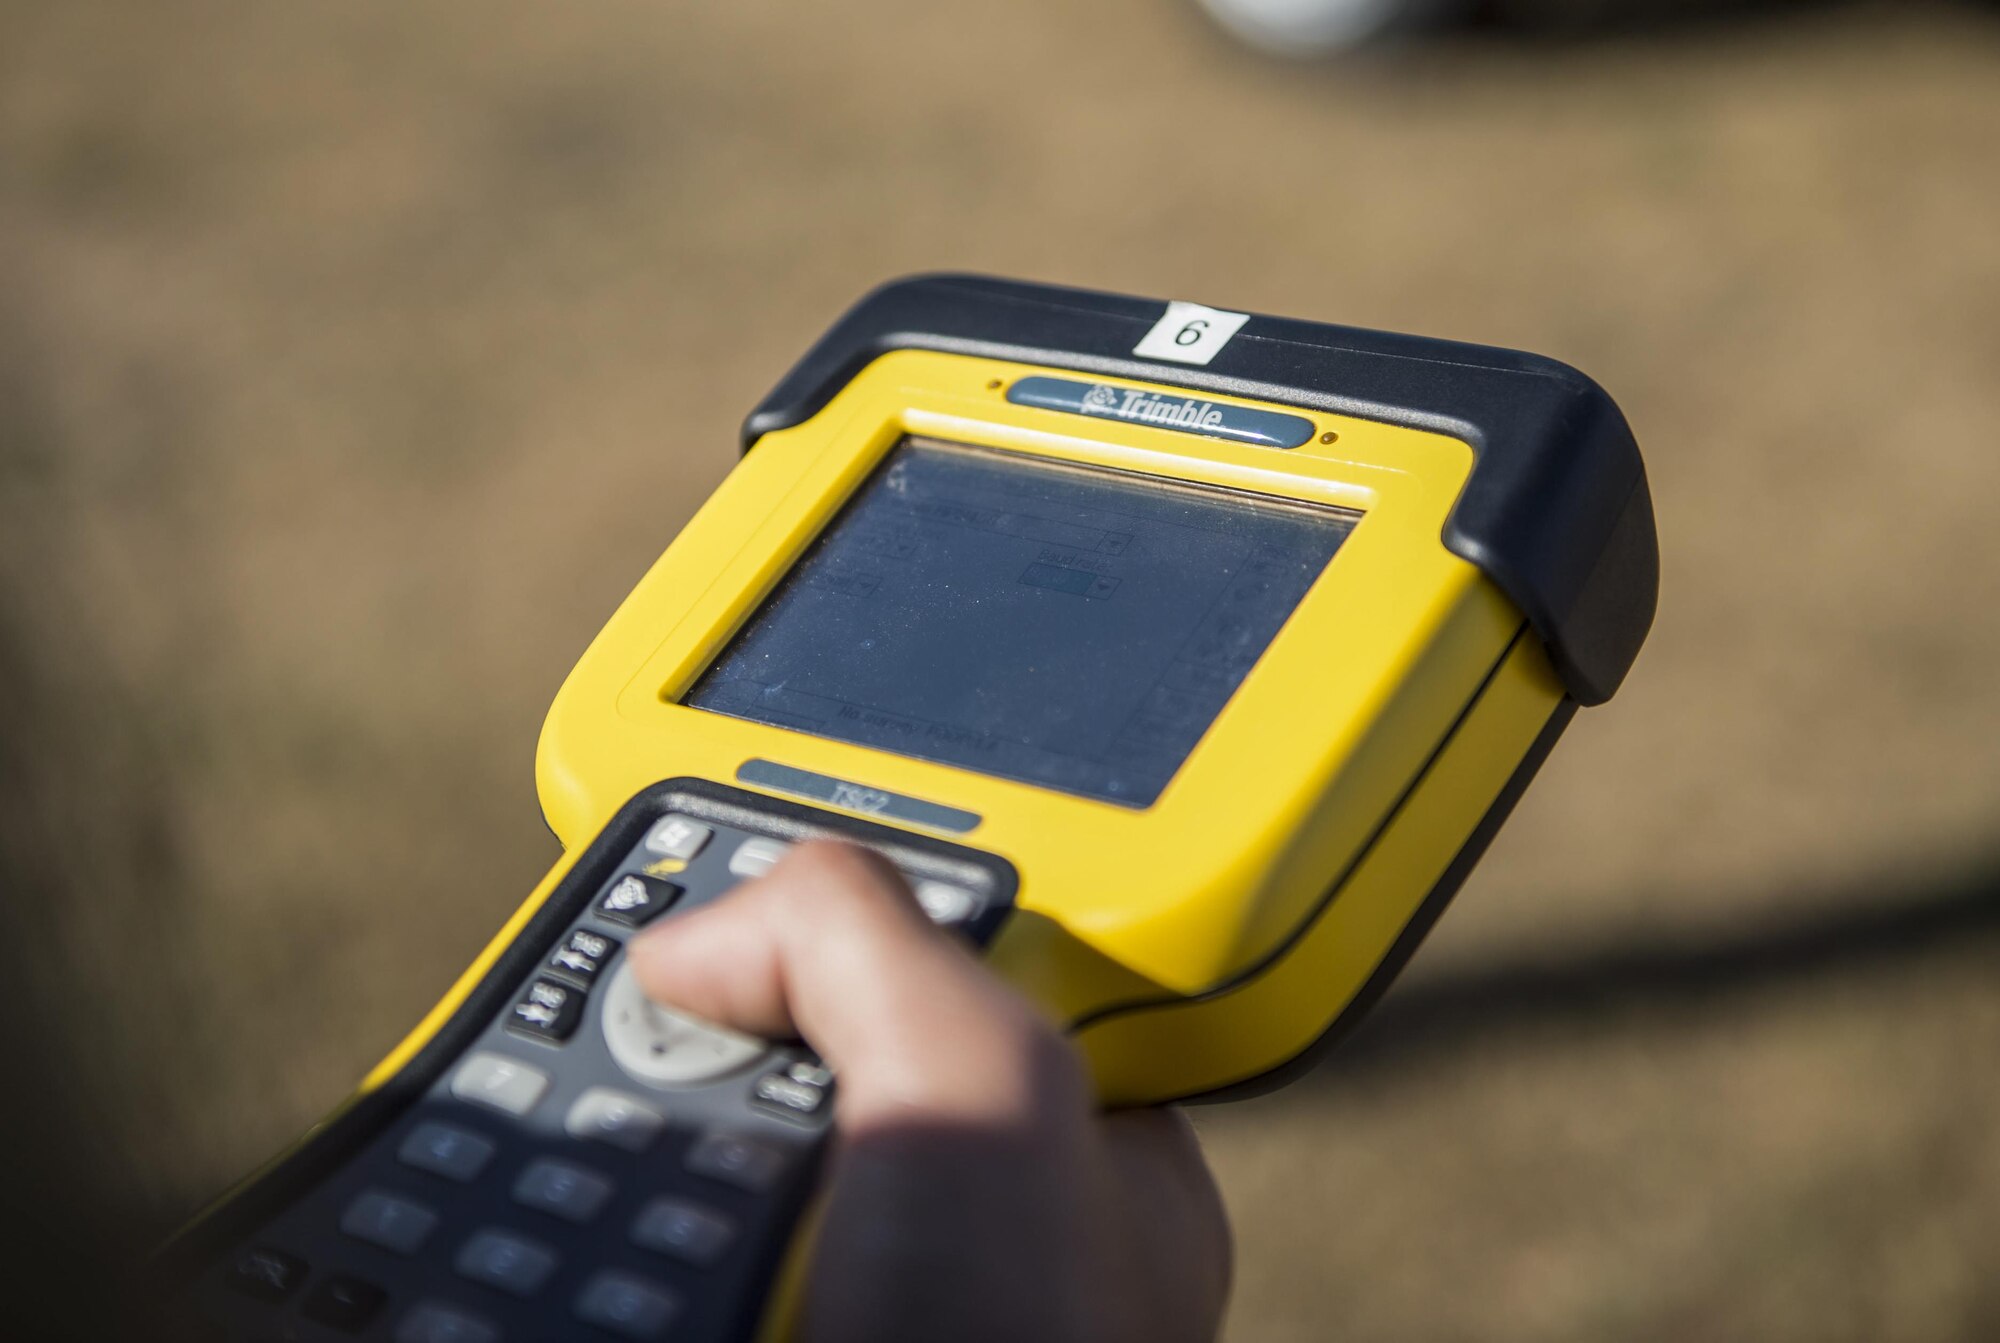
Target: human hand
(975,1190)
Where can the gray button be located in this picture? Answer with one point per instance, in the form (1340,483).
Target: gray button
(608,1116)
(447,1151)
(390,1222)
(755,857)
(683,1229)
(562,1190)
(677,837)
(735,1159)
(945,903)
(503,1083)
(627,1306)
(505,1262)
(434,1322)
(801,1089)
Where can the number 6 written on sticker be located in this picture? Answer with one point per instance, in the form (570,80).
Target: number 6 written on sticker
(1190,334)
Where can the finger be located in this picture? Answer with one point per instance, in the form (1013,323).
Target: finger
(734,961)
(831,946)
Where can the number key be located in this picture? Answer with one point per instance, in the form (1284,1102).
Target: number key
(562,1190)
(684,1230)
(505,1262)
(443,1150)
(737,1160)
(627,1306)
(495,1080)
(392,1223)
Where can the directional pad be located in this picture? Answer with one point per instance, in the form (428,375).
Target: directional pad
(665,1048)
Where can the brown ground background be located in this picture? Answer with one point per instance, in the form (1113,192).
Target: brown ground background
(355,357)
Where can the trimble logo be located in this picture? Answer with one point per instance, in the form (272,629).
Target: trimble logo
(1128,403)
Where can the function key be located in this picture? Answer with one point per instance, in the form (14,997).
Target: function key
(945,903)
(801,1089)
(267,1274)
(627,1306)
(435,1322)
(636,901)
(603,1115)
(679,837)
(504,1084)
(547,1011)
(443,1150)
(755,857)
(738,1160)
(684,1230)
(344,1304)
(389,1222)
(583,956)
(562,1190)
(506,1262)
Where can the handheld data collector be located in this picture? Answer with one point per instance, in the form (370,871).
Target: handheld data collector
(1184,659)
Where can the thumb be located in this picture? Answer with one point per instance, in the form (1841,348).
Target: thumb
(830,946)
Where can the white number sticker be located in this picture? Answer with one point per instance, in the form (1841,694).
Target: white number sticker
(1190,333)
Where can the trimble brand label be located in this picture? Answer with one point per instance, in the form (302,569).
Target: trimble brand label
(1188,414)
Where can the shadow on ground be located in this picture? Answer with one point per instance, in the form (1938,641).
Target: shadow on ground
(1530,21)
(1876,927)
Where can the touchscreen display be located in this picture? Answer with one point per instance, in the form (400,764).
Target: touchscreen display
(1066,626)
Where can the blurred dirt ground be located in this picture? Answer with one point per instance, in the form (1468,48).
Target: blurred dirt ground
(355,357)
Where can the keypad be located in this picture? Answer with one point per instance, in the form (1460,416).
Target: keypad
(582,1136)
